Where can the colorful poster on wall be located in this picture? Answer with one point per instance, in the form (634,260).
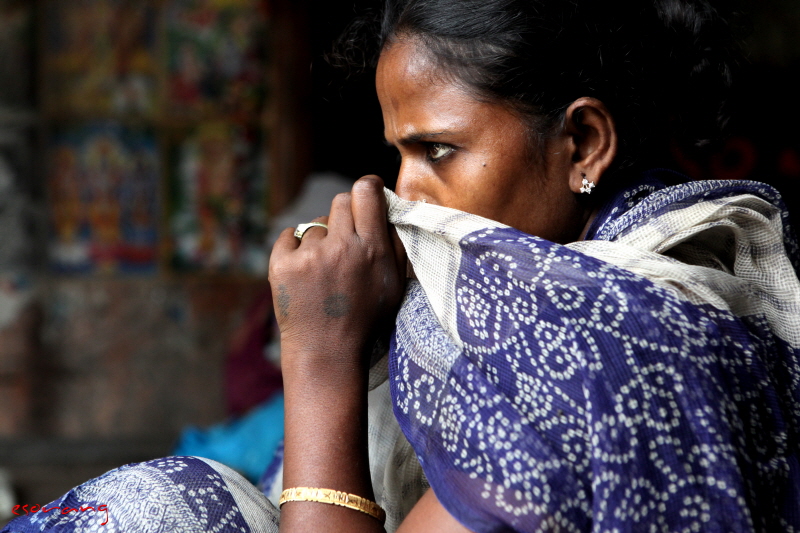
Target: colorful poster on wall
(217,205)
(103,194)
(100,57)
(216,58)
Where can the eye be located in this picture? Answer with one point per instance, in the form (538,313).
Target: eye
(438,151)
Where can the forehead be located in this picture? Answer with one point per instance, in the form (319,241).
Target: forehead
(413,91)
(406,60)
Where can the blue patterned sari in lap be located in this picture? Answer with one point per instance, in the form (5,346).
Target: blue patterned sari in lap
(648,380)
(173,494)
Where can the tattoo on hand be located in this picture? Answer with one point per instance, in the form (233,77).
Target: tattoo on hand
(337,305)
(283,301)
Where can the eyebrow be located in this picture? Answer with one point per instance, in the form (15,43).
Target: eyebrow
(415,137)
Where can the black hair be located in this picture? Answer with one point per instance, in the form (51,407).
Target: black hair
(662,67)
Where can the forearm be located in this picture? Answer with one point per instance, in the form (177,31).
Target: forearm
(326,446)
(334,291)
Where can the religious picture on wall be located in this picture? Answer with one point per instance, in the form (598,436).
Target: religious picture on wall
(216,58)
(100,57)
(217,201)
(102,187)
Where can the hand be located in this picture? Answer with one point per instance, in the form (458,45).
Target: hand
(336,291)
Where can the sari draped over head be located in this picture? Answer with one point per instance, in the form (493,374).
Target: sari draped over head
(647,379)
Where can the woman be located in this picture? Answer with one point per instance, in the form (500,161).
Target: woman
(647,381)
(586,344)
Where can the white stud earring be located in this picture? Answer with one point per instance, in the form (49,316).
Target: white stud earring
(586,185)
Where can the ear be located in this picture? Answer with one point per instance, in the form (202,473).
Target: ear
(594,141)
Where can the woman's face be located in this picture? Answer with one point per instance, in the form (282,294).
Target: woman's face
(467,154)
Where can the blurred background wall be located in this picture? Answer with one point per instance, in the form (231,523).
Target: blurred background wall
(146,146)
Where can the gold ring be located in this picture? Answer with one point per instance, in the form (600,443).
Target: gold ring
(303,228)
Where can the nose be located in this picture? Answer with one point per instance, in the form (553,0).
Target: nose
(410,182)
(403,187)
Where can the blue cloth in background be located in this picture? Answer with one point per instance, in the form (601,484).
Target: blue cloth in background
(246,444)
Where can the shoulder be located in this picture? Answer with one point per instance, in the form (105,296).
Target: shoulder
(430,516)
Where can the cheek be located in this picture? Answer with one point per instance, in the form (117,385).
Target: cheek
(484,182)
(475,188)
(506,189)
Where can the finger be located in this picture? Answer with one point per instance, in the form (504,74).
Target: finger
(314,233)
(341,219)
(286,241)
(401,260)
(369,209)
(286,244)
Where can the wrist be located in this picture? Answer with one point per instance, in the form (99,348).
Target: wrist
(333,364)
(326,438)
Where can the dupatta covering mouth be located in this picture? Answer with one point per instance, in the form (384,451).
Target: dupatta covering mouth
(645,380)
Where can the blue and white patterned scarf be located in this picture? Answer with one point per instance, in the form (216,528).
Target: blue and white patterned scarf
(645,380)
(169,495)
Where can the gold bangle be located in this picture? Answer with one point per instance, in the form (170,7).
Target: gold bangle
(351,501)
